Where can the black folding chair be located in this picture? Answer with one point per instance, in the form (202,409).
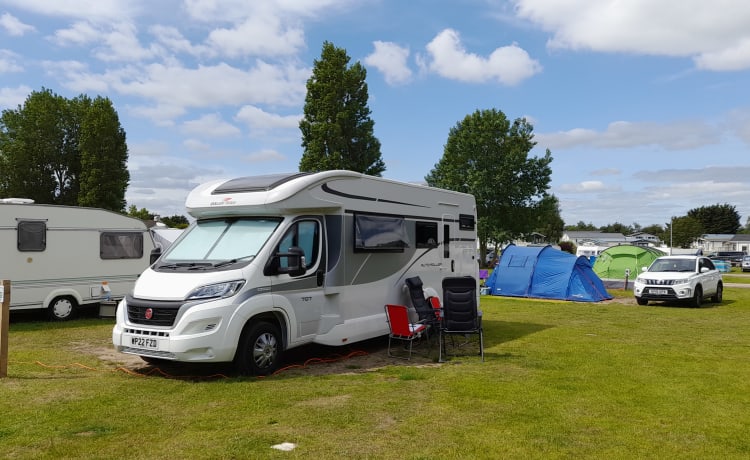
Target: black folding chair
(425,311)
(460,315)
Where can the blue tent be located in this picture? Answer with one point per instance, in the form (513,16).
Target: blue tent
(545,272)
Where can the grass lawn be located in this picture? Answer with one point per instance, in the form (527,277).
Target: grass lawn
(560,380)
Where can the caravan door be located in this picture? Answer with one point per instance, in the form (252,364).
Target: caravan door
(304,293)
(449,232)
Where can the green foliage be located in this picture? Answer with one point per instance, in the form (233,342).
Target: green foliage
(142,213)
(488,156)
(581,226)
(549,221)
(60,151)
(175,221)
(684,231)
(568,246)
(337,131)
(718,218)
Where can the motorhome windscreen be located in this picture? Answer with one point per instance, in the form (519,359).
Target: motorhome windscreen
(224,239)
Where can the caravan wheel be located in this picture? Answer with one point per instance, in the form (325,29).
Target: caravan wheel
(62,308)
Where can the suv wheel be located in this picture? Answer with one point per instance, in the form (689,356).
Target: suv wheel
(717,298)
(697,297)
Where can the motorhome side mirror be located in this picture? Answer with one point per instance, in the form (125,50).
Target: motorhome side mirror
(294,266)
(155,254)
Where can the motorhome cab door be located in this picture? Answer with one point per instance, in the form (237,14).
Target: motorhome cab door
(302,292)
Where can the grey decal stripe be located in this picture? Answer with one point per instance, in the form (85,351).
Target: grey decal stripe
(328,189)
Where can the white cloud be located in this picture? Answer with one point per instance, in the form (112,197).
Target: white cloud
(715,34)
(9,62)
(390,59)
(13,26)
(100,10)
(257,36)
(196,146)
(11,98)
(260,121)
(584,187)
(622,134)
(264,156)
(508,65)
(210,125)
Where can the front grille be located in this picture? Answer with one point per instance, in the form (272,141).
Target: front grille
(662,282)
(160,312)
(159,316)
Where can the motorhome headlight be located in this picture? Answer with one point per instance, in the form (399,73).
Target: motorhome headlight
(216,291)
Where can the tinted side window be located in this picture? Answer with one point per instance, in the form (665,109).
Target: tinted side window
(427,234)
(121,245)
(305,235)
(380,233)
(32,235)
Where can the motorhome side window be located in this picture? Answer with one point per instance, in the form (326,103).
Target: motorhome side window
(466,222)
(303,234)
(32,235)
(427,234)
(121,245)
(380,233)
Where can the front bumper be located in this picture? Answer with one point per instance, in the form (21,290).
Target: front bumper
(676,292)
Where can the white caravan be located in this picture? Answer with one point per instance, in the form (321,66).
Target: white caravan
(274,262)
(61,258)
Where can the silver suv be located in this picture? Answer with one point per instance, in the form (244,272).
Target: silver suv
(679,278)
(746,264)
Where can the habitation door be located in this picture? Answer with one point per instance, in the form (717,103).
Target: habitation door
(448,233)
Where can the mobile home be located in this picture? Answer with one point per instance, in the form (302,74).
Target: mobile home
(274,262)
(61,258)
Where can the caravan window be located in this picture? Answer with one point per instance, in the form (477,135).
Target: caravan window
(380,233)
(121,245)
(32,235)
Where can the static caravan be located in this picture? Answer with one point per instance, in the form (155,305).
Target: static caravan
(274,262)
(60,258)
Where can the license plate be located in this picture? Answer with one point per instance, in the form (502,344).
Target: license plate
(658,291)
(144,342)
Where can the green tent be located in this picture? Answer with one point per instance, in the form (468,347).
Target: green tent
(613,261)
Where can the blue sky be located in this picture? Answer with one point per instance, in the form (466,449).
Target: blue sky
(644,105)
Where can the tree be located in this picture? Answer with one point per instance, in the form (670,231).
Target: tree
(550,224)
(143,213)
(59,151)
(104,158)
(683,231)
(175,221)
(488,156)
(718,218)
(581,226)
(337,131)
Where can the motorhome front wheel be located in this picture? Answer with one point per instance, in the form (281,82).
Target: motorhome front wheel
(259,349)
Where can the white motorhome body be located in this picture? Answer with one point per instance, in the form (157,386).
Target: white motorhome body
(230,289)
(62,257)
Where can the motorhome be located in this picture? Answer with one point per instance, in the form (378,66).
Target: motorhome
(62,258)
(277,261)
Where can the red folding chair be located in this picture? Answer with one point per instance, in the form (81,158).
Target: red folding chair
(401,328)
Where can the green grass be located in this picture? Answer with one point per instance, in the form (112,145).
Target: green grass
(560,380)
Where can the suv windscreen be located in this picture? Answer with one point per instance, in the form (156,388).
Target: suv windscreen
(673,265)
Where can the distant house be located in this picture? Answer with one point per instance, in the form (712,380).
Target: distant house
(593,238)
(715,242)
(643,239)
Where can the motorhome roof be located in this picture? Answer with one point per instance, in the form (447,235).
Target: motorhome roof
(255,183)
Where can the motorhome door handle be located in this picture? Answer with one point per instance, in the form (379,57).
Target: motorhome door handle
(453,266)
(321,277)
